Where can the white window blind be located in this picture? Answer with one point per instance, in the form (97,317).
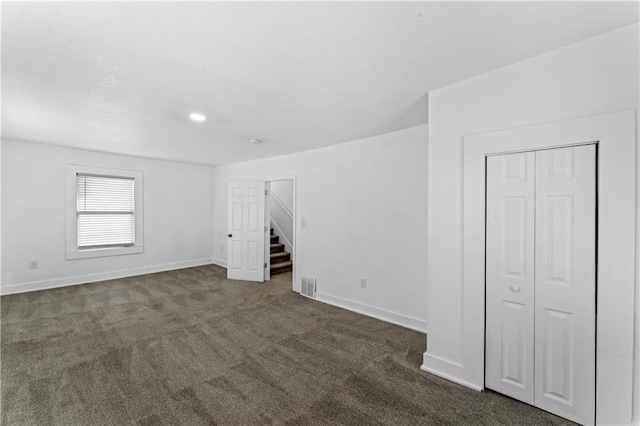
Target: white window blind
(105,211)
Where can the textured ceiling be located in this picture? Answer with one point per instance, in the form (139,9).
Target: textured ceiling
(123,77)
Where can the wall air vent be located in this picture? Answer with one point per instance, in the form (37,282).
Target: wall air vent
(308,287)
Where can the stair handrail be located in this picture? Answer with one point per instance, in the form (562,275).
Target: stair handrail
(286,210)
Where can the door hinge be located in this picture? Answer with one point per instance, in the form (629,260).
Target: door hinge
(265,266)
(266,192)
(266,228)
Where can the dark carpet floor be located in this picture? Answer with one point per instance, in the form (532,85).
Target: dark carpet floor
(188,347)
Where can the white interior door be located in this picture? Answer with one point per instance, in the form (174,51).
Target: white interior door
(510,275)
(540,279)
(246,237)
(565,294)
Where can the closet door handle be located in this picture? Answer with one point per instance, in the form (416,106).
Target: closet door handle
(515,289)
(229,235)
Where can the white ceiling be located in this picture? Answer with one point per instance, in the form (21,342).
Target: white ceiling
(123,77)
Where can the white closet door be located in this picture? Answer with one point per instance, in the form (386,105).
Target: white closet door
(510,275)
(565,282)
(541,279)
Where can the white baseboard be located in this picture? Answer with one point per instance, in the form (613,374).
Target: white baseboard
(100,276)
(220,262)
(370,311)
(446,369)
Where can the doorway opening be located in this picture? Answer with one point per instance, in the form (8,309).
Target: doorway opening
(280,245)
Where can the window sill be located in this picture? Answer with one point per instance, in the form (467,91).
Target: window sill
(103,252)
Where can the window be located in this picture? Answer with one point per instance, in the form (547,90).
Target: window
(104,214)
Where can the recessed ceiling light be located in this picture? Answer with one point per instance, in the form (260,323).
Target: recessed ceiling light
(197,117)
(255,141)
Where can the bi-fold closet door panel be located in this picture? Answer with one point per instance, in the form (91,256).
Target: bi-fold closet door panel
(510,274)
(565,293)
(540,279)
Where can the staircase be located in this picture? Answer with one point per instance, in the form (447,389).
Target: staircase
(280,259)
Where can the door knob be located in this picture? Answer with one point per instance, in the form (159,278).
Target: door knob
(515,288)
(229,235)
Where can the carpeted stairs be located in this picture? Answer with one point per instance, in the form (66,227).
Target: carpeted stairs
(280,259)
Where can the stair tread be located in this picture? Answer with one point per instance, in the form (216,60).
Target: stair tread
(276,248)
(281,254)
(281,265)
(280,257)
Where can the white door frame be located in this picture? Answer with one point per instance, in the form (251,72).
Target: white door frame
(295,226)
(616,140)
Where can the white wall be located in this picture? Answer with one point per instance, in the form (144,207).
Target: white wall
(595,76)
(178,227)
(283,189)
(0,213)
(364,204)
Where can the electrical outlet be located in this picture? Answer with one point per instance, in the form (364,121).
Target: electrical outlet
(33,264)
(363,282)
